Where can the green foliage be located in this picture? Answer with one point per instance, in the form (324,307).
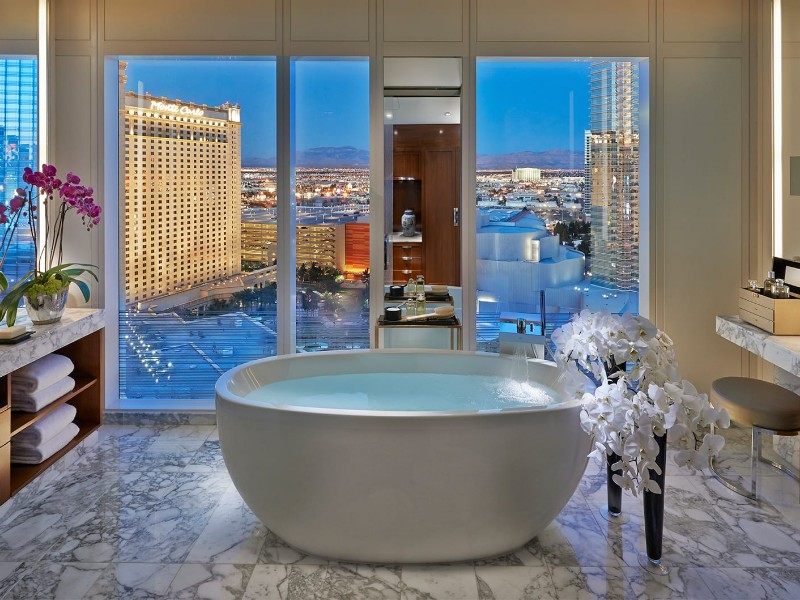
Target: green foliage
(47,282)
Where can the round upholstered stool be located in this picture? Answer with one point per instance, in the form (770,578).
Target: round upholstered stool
(766,408)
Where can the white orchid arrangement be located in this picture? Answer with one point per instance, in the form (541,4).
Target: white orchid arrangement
(625,412)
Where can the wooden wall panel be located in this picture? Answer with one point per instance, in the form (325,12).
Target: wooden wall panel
(791,147)
(702,210)
(422,21)
(356,247)
(706,21)
(548,21)
(322,21)
(73,19)
(190,20)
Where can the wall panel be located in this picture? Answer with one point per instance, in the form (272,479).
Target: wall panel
(190,20)
(706,21)
(18,19)
(322,20)
(422,21)
(702,210)
(73,19)
(791,147)
(790,11)
(74,149)
(548,21)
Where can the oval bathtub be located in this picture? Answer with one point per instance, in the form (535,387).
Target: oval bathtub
(399,486)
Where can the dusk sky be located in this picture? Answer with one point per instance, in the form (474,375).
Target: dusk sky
(521,105)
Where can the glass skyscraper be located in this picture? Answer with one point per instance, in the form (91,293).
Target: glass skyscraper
(613,165)
(18,136)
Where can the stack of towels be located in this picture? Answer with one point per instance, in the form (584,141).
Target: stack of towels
(34,387)
(40,383)
(40,440)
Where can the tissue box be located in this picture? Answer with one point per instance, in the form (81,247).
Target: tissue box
(779,316)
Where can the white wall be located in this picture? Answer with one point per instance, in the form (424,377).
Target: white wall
(701,53)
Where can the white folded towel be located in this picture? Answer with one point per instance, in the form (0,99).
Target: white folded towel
(47,428)
(38,400)
(33,456)
(41,373)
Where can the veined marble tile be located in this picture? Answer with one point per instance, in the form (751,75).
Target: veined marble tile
(680,584)
(207,458)
(145,517)
(149,418)
(10,573)
(767,584)
(185,432)
(57,581)
(339,581)
(268,582)
(515,583)
(439,583)
(133,580)
(574,539)
(590,582)
(285,555)
(34,523)
(233,534)
(694,534)
(767,532)
(210,581)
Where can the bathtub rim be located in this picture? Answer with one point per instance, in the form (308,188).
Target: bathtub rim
(223,393)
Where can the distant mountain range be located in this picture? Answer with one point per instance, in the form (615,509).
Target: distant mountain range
(350,157)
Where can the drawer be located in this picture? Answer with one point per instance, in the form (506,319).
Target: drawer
(756,309)
(5,426)
(401,275)
(758,321)
(756,298)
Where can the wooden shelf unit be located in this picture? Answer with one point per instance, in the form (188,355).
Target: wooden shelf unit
(87,397)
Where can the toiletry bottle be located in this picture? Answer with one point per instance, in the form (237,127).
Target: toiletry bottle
(781,289)
(770,283)
(411,288)
(420,295)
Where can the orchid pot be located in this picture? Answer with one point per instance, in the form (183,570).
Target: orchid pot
(42,208)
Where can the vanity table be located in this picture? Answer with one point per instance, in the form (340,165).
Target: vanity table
(783,351)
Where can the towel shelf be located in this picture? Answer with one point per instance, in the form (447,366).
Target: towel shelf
(87,396)
(21,420)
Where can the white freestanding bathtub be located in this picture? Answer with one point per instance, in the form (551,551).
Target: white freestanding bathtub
(399,486)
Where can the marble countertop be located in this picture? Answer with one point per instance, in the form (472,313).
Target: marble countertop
(397,237)
(75,324)
(781,350)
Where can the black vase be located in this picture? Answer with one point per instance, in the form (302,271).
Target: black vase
(654,515)
(613,490)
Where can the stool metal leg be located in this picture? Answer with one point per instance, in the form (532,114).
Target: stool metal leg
(712,466)
(755,456)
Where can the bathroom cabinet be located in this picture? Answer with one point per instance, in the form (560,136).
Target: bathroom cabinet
(80,337)
(426,179)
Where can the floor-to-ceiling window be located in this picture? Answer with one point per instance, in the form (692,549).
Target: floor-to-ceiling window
(18,144)
(198,285)
(558,191)
(331,142)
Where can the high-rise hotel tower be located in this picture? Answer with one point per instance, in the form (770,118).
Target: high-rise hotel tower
(182,194)
(613,165)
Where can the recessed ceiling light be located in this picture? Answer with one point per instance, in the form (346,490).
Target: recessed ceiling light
(447,114)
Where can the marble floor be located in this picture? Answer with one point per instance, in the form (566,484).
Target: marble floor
(150,512)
